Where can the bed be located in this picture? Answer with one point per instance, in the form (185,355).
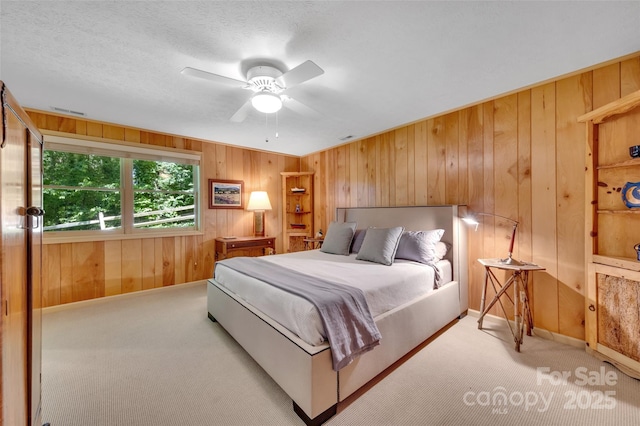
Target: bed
(301,361)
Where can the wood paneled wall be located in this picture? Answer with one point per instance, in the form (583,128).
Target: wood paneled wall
(88,270)
(519,156)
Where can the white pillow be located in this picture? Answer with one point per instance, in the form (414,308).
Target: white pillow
(441,250)
(419,246)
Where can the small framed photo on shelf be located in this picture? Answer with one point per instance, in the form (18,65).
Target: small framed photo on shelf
(226,194)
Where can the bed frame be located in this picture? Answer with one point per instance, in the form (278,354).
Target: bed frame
(305,372)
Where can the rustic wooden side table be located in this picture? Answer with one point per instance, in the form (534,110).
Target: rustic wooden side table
(519,279)
(313,243)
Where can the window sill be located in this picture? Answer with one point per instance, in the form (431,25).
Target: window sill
(116,237)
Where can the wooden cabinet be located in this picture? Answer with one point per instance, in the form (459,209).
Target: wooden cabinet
(245,246)
(20,265)
(297,209)
(612,313)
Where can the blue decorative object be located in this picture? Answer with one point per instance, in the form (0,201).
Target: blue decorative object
(631,194)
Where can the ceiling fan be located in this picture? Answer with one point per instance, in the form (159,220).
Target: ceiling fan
(268,84)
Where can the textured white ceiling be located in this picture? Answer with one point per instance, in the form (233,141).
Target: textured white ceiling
(386,63)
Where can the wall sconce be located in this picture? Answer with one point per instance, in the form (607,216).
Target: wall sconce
(509,260)
(258,203)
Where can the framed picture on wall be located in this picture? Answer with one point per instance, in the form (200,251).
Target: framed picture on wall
(226,194)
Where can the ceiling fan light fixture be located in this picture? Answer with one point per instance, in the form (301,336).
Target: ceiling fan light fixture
(266,102)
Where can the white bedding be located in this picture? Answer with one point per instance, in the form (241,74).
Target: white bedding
(385,287)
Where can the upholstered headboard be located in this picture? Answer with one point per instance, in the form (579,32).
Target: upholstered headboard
(419,218)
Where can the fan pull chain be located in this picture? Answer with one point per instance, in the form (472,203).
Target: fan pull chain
(266,127)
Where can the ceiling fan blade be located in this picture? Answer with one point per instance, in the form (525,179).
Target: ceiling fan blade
(299,107)
(303,72)
(192,72)
(241,114)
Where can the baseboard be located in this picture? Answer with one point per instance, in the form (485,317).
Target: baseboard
(106,299)
(540,332)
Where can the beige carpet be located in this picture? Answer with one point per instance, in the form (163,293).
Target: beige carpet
(156,359)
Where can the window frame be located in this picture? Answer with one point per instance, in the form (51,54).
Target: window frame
(126,151)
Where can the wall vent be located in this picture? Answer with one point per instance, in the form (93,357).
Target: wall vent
(67,111)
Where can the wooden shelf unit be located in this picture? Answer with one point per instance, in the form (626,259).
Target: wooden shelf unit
(294,236)
(612,303)
(628,163)
(630,264)
(618,212)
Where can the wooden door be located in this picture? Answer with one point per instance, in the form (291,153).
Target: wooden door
(14,273)
(20,265)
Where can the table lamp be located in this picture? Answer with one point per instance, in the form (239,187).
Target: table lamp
(258,203)
(509,260)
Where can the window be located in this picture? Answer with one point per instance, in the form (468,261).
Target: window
(107,188)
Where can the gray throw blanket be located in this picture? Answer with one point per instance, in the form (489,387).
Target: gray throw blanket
(343,309)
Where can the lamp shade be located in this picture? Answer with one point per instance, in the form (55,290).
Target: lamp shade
(259,201)
(266,102)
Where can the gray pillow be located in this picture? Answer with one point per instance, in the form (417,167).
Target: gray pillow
(358,238)
(338,238)
(380,245)
(419,246)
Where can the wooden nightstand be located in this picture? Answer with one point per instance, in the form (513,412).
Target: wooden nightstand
(224,246)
